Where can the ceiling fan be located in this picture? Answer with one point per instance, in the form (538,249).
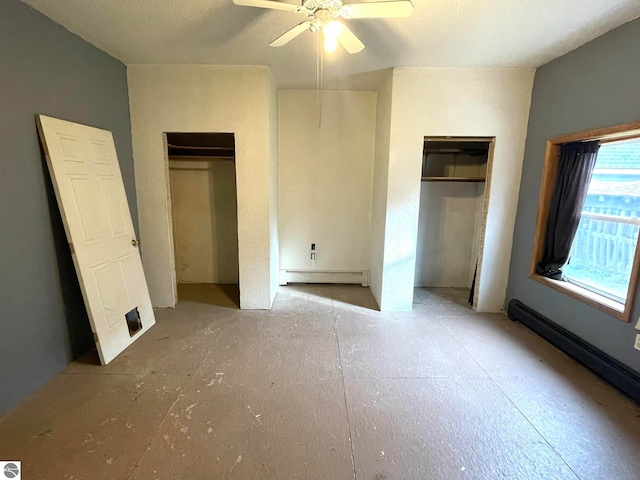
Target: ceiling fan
(323,15)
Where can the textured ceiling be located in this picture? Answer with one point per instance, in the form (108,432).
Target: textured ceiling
(440,33)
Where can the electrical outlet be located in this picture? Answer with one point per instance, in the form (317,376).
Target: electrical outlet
(637,344)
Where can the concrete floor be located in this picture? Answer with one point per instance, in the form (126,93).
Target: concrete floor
(325,387)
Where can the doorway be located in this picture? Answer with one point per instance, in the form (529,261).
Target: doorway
(452,212)
(204,201)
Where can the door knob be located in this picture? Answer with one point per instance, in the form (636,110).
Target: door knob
(135,242)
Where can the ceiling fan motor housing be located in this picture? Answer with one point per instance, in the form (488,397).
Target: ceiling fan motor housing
(313,7)
(320,18)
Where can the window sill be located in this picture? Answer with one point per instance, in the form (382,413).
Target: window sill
(599,302)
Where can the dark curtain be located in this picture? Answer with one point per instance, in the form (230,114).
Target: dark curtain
(575,167)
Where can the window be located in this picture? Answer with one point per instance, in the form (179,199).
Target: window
(603,264)
(604,247)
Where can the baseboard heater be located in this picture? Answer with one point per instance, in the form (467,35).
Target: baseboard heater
(324,276)
(606,367)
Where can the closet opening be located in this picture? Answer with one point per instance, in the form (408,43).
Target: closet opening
(204,206)
(452,214)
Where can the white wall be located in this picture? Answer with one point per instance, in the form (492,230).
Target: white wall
(325,179)
(205,221)
(379,190)
(445,253)
(453,102)
(199,98)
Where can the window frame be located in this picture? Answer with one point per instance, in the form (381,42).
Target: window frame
(605,304)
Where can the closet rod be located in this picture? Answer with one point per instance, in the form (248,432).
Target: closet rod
(190,147)
(198,158)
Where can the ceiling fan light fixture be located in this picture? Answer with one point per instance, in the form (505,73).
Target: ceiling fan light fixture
(321,15)
(330,45)
(332,30)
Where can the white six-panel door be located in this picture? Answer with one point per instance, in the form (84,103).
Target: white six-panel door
(86,177)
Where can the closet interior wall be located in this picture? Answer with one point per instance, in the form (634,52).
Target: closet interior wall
(204,207)
(450,218)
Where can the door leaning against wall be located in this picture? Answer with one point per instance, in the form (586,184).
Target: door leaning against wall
(88,184)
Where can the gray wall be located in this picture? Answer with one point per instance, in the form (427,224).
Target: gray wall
(597,85)
(45,69)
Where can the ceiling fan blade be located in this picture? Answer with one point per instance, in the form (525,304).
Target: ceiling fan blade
(400,8)
(290,34)
(289,7)
(349,41)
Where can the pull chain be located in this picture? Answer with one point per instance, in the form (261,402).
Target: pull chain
(319,75)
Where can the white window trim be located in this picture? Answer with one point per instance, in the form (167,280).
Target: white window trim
(588,286)
(611,218)
(596,290)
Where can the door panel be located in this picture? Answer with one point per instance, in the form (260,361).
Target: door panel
(86,177)
(83,198)
(111,199)
(107,293)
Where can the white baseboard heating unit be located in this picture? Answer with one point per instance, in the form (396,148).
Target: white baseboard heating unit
(324,276)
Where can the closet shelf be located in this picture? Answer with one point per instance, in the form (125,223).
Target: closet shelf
(453,179)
